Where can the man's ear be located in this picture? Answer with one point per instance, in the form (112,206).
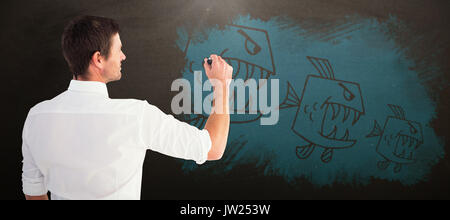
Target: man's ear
(97,60)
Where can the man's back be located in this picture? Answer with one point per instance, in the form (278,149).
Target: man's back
(83,145)
(87,146)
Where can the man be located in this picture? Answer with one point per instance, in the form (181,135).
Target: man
(84,145)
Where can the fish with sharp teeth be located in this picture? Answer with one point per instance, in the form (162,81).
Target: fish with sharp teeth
(322,100)
(248,50)
(408,134)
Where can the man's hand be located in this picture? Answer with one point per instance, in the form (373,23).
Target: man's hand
(218,123)
(218,71)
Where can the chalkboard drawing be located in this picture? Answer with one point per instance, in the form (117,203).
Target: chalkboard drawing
(325,112)
(249,51)
(399,139)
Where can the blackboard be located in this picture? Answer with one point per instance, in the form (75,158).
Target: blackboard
(389,56)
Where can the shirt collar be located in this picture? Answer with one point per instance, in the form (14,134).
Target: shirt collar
(89,86)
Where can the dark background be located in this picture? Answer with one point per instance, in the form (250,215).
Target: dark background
(34,70)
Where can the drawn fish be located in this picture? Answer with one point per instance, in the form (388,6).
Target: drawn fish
(399,139)
(249,51)
(325,111)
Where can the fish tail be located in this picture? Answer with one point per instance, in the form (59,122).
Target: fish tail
(376,131)
(291,99)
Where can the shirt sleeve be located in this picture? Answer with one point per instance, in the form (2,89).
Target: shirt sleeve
(164,134)
(32,179)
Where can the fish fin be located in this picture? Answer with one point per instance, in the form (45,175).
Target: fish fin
(323,66)
(327,155)
(376,131)
(291,99)
(303,152)
(398,111)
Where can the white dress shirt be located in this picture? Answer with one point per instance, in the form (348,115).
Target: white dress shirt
(84,145)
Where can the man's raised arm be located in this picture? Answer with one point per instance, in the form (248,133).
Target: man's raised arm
(218,123)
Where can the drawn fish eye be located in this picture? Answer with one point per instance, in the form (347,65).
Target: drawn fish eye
(412,128)
(255,47)
(347,94)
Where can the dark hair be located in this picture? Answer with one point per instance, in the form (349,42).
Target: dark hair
(83,36)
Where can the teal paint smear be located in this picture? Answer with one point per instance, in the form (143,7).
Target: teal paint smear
(366,56)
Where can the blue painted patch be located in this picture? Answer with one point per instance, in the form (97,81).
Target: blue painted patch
(364,73)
